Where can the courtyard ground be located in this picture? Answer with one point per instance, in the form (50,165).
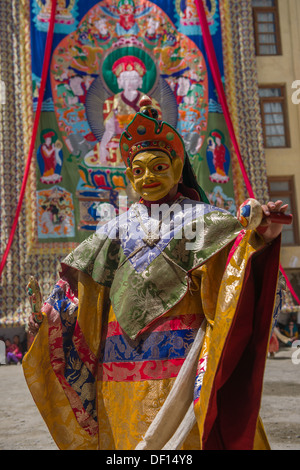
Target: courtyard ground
(22,427)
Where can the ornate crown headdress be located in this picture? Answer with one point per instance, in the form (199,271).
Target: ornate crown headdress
(145,132)
(128,64)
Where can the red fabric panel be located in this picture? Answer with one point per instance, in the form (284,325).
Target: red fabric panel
(236,395)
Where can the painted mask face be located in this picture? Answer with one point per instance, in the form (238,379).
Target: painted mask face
(153,175)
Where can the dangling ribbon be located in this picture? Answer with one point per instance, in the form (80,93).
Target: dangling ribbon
(45,69)
(214,67)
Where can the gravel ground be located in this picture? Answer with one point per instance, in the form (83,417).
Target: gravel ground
(22,427)
(280,410)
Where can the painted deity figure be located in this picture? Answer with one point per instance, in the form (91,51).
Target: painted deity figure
(102,32)
(79,88)
(151,31)
(127,24)
(56,212)
(50,157)
(218,158)
(63,8)
(156,334)
(119,110)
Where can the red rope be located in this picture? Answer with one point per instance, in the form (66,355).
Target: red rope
(214,67)
(45,69)
(212,60)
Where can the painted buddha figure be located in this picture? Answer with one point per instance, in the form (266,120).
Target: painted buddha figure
(119,110)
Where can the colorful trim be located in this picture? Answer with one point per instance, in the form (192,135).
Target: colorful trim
(181,322)
(61,310)
(160,355)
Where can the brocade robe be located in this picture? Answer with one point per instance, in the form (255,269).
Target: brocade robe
(162,345)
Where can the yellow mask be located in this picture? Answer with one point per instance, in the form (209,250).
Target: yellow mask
(153,175)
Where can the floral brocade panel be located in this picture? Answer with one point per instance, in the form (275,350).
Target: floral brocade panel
(156,354)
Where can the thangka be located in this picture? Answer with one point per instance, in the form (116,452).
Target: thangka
(106,55)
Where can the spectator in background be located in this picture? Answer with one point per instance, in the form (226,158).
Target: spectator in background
(13,351)
(291,330)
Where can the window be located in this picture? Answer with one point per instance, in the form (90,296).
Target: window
(282,188)
(266,27)
(274,116)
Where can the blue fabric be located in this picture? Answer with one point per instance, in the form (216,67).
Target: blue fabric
(158,345)
(75,368)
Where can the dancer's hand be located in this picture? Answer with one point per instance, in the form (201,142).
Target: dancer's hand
(270,230)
